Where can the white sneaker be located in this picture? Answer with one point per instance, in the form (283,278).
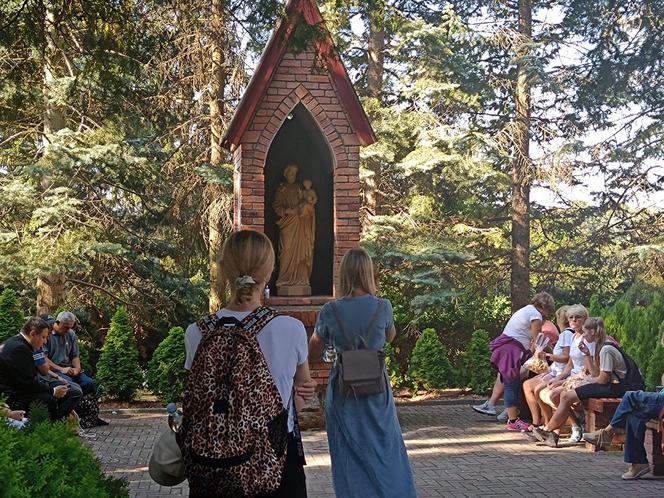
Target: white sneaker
(485,408)
(502,416)
(576,436)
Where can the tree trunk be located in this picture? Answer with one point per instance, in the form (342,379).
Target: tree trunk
(375,74)
(50,293)
(216,214)
(50,288)
(521,177)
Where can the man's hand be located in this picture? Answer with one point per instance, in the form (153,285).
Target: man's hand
(16,415)
(74,372)
(554,383)
(307,389)
(60,391)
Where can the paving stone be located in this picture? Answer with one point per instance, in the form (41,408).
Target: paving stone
(454,452)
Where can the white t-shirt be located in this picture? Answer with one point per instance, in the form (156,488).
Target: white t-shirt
(519,325)
(576,354)
(564,341)
(283,342)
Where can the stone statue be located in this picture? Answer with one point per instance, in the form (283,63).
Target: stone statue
(294,203)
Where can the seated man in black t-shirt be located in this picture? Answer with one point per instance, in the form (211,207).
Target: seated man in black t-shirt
(18,374)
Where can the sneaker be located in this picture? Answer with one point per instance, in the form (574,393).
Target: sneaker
(601,439)
(550,438)
(502,417)
(485,408)
(636,470)
(517,425)
(576,436)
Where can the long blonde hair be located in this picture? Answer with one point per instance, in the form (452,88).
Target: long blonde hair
(597,324)
(247,260)
(356,272)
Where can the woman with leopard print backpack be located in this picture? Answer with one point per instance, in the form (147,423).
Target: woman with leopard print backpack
(233,447)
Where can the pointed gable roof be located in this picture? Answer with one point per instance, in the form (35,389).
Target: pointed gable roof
(298,11)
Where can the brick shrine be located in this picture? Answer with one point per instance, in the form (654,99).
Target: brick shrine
(300,107)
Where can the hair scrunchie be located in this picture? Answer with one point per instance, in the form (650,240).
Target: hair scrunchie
(244,281)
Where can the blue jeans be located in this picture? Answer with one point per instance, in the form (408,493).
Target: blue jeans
(512,392)
(635,409)
(88,385)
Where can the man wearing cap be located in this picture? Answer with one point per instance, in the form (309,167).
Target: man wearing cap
(62,353)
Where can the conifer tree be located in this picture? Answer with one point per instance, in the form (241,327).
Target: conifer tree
(11,318)
(118,371)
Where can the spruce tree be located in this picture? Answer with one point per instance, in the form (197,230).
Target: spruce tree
(118,370)
(11,318)
(166,373)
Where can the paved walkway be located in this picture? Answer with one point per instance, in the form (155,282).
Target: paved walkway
(454,452)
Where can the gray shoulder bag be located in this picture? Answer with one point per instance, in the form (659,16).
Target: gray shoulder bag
(361,370)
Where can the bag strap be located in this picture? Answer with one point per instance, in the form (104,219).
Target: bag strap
(374,319)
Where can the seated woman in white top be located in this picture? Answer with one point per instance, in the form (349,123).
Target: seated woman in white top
(559,357)
(607,368)
(549,397)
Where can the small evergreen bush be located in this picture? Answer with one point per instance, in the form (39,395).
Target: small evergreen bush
(476,360)
(11,317)
(118,370)
(429,366)
(166,373)
(49,459)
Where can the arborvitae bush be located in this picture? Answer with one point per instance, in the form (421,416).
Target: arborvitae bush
(166,373)
(49,459)
(11,318)
(117,370)
(476,360)
(429,366)
(654,373)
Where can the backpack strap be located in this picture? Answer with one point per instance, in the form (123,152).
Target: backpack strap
(374,320)
(335,310)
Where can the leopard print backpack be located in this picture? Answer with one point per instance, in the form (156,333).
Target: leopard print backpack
(234,427)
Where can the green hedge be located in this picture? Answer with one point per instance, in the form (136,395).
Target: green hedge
(11,317)
(118,372)
(429,366)
(479,375)
(638,328)
(166,373)
(49,460)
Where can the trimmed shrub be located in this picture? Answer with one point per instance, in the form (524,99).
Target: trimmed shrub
(49,459)
(429,366)
(11,317)
(117,370)
(479,374)
(166,373)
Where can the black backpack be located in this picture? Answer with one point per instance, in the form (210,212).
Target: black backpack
(633,380)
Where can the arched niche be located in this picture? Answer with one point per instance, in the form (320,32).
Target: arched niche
(301,141)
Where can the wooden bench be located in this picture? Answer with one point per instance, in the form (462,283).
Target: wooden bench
(599,412)
(653,444)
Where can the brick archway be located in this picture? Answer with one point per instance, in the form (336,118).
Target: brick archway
(300,95)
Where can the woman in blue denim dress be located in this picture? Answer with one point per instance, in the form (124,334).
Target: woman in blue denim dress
(368,454)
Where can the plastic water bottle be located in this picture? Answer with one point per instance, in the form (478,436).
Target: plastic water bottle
(174,416)
(330,354)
